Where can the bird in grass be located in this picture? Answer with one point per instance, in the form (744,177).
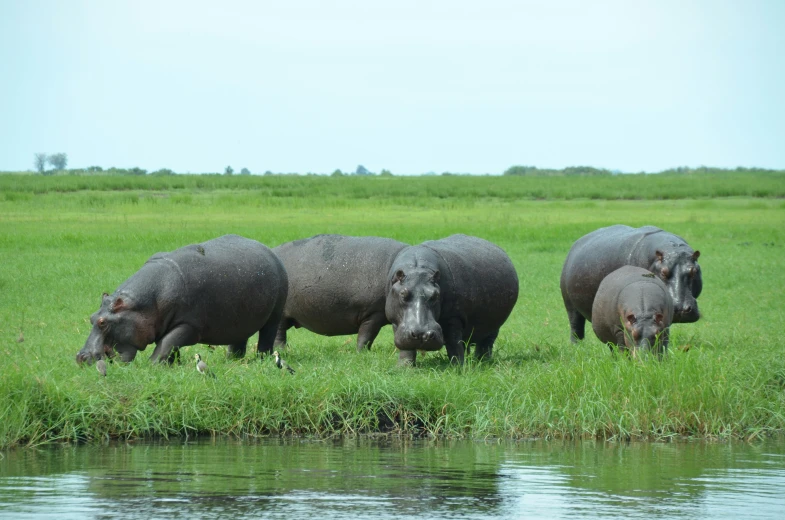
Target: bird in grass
(100,365)
(201,366)
(280,363)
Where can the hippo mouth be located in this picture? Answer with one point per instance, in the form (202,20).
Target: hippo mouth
(107,352)
(688,315)
(413,340)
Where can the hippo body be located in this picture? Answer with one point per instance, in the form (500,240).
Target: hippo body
(454,291)
(337,285)
(633,310)
(219,292)
(601,252)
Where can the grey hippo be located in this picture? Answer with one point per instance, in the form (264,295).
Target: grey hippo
(597,254)
(219,292)
(337,285)
(453,292)
(633,310)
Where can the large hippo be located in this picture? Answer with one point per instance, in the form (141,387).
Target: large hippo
(454,291)
(337,285)
(633,310)
(218,292)
(596,255)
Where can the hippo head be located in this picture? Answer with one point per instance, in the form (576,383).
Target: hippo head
(117,327)
(413,308)
(645,331)
(682,275)
(646,312)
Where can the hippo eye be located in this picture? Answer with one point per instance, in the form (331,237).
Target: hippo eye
(404,294)
(434,296)
(101,322)
(665,272)
(631,318)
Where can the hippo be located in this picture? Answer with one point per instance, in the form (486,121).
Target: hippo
(219,292)
(452,292)
(633,310)
(594,256)
(337,285)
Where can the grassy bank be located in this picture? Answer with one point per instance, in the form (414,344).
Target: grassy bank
(63,245)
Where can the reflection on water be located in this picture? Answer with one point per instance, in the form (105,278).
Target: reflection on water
(372,478)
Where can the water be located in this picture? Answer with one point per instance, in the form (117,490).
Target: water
(381,479)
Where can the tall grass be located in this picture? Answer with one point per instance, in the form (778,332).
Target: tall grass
(401,190)
(724,376)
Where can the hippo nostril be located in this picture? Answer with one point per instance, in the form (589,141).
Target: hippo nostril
(414,335)
(429,335)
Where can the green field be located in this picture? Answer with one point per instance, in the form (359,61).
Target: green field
(65,240)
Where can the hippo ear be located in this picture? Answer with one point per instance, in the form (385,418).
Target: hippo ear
(436,277)
(695,256)
(118,305)
(630,318)
(399,276)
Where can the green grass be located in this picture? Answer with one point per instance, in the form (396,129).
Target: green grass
(62,246)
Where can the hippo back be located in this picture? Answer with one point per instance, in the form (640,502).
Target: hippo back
(480,282)
(336,280)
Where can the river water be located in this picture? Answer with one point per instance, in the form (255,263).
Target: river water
(394,478)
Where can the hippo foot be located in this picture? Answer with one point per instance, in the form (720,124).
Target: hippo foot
(407,358)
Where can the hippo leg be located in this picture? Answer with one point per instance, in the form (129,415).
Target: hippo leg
(484,348)
(268,335)
(453,341)
(174,357)
(407,358)
(620,344)
(127,356)
(178,337)
(369,329)
(236,350)
(577,325)
(280,335)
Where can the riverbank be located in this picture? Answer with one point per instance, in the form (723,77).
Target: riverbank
(61,248)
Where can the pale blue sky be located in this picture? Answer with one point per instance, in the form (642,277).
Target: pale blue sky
(410,86)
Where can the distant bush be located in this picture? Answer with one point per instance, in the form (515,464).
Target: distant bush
(533,171)
(163,171)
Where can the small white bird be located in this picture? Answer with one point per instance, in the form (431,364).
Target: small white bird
(100,365)
(201,366)
(280,363)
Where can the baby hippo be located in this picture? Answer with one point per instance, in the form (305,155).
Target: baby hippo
(633,310)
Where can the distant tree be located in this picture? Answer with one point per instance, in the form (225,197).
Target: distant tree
(268,172)
(163,171)
(40,162)
(584,171)
(135,171)
(521,170)
(94,169)
(245,171)
(337,173)
(58,161)
(361,170)
(385,173)
(228,170)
